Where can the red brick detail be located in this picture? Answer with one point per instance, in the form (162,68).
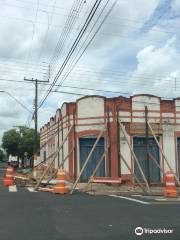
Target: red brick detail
(126,177)
(88,133)
(123,104)
(71,109)
(168,106)
(114,138)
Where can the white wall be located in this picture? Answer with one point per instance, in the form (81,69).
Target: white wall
(169,146)
(90,107)
(152,103)
(126,153)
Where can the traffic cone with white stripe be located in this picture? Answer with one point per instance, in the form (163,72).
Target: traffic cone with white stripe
(170,185)
(61,187)
(9,177)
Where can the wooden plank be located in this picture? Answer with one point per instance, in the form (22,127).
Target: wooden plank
(153,158)
(87,160)
(135,128)
(162,152)
(52,161)
(128,167)
(95,170)
(107,180)
(60,165)
(134,155)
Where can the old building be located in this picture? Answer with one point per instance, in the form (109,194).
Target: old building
(91,114)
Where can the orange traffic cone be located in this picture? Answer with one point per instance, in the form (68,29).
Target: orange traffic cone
(60,186)
(170,187)
(9,179)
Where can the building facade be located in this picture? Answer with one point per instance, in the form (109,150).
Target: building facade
(91,115)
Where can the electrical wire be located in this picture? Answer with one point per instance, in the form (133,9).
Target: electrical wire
(74,64)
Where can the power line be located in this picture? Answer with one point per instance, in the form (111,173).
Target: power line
(30,8)
(42,4)
(73,65)
(46,34)
(75,44)
(70,22)
(114,80)
(34,25)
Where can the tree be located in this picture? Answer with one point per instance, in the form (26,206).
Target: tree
(27,140)
(10,142)
(19,141)
(2,155)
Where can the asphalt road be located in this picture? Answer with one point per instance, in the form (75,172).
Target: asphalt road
(44,216)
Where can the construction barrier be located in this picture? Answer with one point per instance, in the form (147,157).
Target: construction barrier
(170,185)
(8,180)
(108,180)
(61,187)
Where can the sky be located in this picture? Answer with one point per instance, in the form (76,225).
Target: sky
(135,49)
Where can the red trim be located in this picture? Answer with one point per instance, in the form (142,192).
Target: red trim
(112,105)
(114,133)
(88,132)
(152,111)
(126,177)
(70,110)
(91,124)
(106,140)
(86,118)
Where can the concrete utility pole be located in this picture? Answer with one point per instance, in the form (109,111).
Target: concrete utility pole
(35,115)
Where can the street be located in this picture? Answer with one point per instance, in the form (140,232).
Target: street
(43,216)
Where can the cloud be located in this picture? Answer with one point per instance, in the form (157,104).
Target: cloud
(157,69)
(127,48)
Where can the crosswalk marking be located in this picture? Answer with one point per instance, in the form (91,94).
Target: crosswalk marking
(13,188)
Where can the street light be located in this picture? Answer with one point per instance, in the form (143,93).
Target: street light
(22,105)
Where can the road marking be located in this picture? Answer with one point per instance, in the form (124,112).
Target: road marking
(160,199)
(166,199)
(13,188)
(130,199)
(31,189)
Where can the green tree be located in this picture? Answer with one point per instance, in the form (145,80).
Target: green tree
(19,141)
(10,142)
(2,155)
(27,140)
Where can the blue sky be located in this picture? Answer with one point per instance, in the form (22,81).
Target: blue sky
(137,50)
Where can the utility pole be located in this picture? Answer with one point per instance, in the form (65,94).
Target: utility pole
(35,115)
